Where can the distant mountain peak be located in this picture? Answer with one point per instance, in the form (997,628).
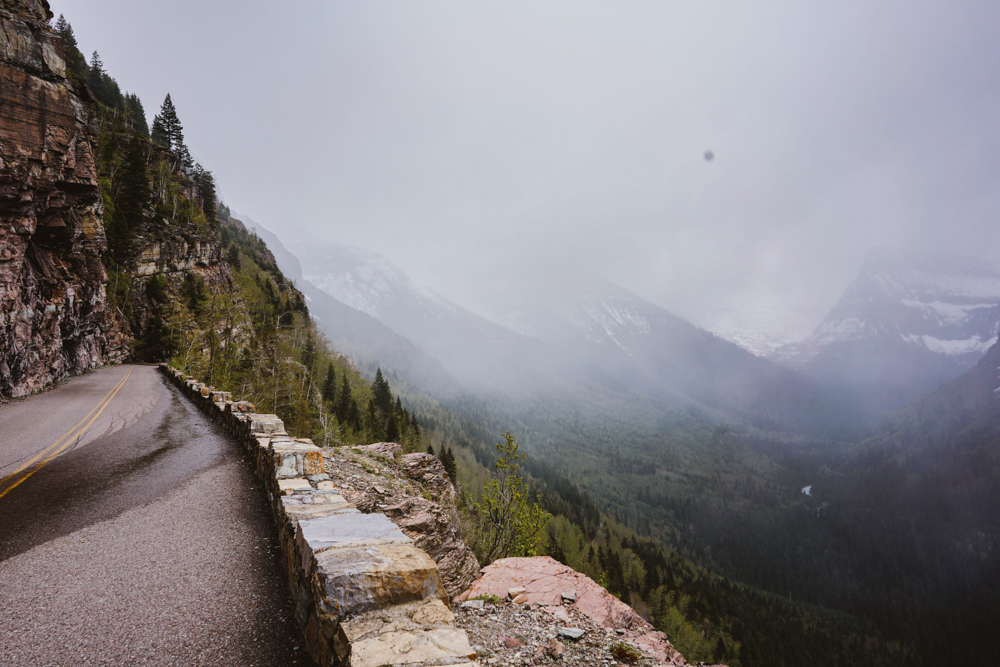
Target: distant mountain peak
(909,321)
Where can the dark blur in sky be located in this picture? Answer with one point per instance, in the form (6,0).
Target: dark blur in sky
(475,141)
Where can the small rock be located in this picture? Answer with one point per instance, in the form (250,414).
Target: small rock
(572,633)
(322,477)
(556,648)
(512,642)
(620,631)
(521,599)
(569,595)
(514,592)
(473,603)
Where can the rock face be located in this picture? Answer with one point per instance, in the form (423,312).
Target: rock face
(54,315)
(414,492)
(546,581)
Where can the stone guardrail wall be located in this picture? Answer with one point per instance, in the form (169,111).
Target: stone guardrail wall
(365,595)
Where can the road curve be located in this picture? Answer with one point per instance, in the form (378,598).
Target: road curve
(131,533)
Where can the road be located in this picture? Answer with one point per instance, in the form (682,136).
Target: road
(132,533)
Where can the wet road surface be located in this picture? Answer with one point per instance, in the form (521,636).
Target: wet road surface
(132,533)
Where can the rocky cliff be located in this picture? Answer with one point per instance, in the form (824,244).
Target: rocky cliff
(54,314)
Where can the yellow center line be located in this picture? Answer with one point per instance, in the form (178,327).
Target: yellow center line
(67,439)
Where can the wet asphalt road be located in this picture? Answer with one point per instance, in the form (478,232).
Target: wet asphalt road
(144,541)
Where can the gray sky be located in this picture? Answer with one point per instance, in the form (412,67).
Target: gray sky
(470,141)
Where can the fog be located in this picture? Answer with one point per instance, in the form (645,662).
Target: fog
(477,144)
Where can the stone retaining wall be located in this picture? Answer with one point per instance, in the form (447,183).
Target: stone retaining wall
(365,595)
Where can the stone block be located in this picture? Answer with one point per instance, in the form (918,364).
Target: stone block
(266,424)
(294,459)
(360,579)
(289,486)
(412,647)
(304,512)
(350,531)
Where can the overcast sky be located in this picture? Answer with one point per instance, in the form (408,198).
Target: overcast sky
(469,141)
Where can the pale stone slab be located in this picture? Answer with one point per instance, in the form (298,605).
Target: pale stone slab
(306,512)
(289,486)
(354,530)
(420,615)
(356,580)
(410,647)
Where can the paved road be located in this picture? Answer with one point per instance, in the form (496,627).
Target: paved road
(131,533)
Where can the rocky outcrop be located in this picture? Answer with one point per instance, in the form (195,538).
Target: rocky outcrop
(414,492)
(566,593)
(54,314)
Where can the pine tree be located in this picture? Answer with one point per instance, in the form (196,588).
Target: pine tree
(309,353)
(171,123)
(174,132)
(136,115)
(448,461)
(158,134)
(95,78)
(430,450)
(132,198)
(206,187)
(391,430)
(343,408)
(329,384)
(234,258)
(381,393)
(76,64)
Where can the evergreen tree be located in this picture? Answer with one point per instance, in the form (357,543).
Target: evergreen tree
(430,450)
(234,258)
(76,64)
(158,134)
(416,426)
(391,430)
(343,407)
(354,416)
(171,123)
(448,461)
(329,385)
(174,132)
(136,115)
(95,78)
(309,353)
(133,195)
(381,393)
(206,186)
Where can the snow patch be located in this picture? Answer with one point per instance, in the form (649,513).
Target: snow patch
(952,347)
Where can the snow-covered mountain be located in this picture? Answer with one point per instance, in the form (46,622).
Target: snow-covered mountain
(583,338)
(652,351)
(476,351)
(906,325)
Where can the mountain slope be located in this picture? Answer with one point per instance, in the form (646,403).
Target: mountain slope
(653,351)
(358,334)
(906,325)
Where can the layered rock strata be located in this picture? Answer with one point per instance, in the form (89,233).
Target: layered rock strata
(54,314)
(365,594)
